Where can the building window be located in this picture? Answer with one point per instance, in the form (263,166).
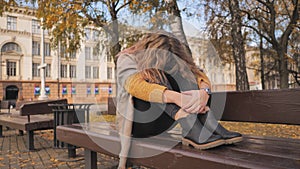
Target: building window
(8,47)
(109,73)
(73,55)
(36,26)
(63,71)
(47,49)
(96,35)
(95,54)
(87,32)
(11,68)
(96,72)
(46,32)
(36,48)
(35,70)
(88,53)
(48,70)
(72,71)
(11,23)
(109,58)
(88,72)
(63,53)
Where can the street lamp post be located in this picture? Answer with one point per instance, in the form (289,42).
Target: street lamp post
(42,67)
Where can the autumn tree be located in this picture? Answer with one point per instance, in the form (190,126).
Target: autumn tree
(162,14)
(294,46)
(67,19)
(176,21)
(278,20)
(225,22)
(73,16)
(238,45)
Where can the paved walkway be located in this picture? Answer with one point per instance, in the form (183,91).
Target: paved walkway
(13,153)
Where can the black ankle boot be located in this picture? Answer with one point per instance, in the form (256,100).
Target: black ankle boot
(196,135)
(209,121)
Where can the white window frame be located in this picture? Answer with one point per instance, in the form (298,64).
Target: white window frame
(109,58)
(11,46)
(11,68)
(11,23)
(47,49)
(36,28)
(96,72)
(72,55)
(48,70)
(72,71)
(87,32)
(36,48)
(63,71)
(87,52)
(95,54)
(96,35)
(88,72)
(109,73)
(35,70)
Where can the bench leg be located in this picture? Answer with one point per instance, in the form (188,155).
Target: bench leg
(1,131)
(71,151)
(90,158)
(30,140)
(21,132)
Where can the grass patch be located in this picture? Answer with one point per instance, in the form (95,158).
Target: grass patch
(103,118)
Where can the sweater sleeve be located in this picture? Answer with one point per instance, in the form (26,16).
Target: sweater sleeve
(203,80)
(140,88)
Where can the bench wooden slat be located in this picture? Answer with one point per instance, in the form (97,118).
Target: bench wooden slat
(270,151)
(274,143)
(222,158)
(264,106)
(38,122)
(182,156)
(241,158)
(31,108)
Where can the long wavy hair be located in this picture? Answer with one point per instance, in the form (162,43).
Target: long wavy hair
(161,51)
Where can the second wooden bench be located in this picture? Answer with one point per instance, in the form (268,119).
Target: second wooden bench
(30,118)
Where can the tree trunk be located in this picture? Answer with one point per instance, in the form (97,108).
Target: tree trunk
(283,70)
(115,46)
(176,22)
(262,65)
(238,46)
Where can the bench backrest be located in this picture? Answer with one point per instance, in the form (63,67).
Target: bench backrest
(262,106)
(39,107)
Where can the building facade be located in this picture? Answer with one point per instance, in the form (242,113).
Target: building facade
(84,76)
(221,75)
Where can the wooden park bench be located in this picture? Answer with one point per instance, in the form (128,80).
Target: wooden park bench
(274,106)
(31,117)
(69,114)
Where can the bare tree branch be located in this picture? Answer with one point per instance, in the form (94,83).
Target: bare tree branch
(293,22)
(122,6)
(259,33)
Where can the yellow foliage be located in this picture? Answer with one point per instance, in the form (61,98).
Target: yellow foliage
(135,2)
(77,7)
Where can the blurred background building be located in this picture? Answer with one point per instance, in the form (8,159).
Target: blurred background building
(84,76)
